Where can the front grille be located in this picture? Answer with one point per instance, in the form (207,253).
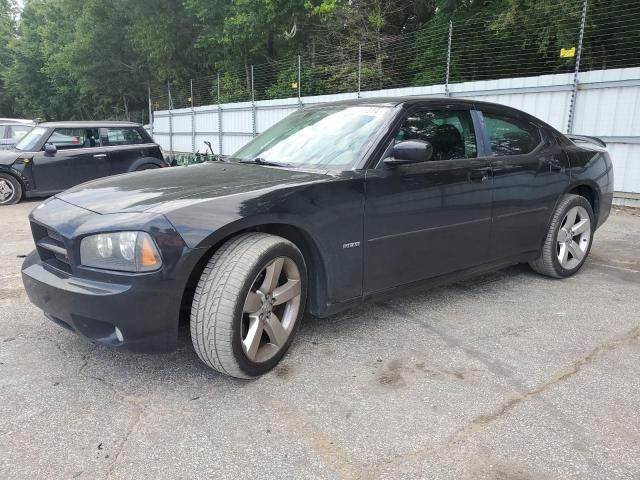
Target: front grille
(55,236)
(51,247)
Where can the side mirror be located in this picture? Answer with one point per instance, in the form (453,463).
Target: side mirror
(410,151)
(50,149)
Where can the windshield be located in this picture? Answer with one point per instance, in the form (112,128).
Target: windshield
(31,139)
(330,138)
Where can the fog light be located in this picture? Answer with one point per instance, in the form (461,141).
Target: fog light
(119,335)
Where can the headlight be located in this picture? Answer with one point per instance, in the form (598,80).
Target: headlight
(124,251)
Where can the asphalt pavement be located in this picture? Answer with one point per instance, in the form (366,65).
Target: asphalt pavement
(507,376)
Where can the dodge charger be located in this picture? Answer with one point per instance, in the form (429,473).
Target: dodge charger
(334,205)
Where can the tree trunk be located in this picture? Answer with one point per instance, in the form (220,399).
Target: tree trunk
(126,108)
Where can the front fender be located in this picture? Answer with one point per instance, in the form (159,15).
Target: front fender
(329,214)
(22,174)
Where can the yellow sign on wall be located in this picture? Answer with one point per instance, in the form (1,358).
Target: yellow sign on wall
(568,52)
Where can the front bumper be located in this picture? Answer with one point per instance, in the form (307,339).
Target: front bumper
(144,307)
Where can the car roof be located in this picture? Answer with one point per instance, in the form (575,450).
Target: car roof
(78,124)
(12,121)
(410,100)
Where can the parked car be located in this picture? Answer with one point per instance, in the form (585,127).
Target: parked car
(12,130)
(334,205)
(55,156)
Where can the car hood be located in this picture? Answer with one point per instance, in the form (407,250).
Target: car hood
(8,157)
(166,189)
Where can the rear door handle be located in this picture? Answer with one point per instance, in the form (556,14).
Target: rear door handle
(100,155)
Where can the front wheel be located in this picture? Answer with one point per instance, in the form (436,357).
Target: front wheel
(568,240)
(10,189)
(248,304)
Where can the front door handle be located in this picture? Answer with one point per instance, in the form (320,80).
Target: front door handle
(100,155)
(554,165)
(480,175)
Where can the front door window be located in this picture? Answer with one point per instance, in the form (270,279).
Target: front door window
(71,138)
(450,132)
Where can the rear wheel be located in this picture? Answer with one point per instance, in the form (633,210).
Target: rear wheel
(10,189)
(146,166)
(568,240)
(248,304)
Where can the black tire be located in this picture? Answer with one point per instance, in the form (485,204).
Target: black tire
(217,311)
(548,263)
(9,185)
(147,166)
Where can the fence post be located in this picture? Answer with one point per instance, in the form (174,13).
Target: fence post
(193,122)
(253,104)
(574,90)
(299,83)
(219,121)
(150,110)
(446,80)
(170,120)
(359,68)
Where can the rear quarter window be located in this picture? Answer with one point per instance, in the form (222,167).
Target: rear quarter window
(123,136)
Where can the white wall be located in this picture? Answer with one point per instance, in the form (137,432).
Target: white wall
(607,106)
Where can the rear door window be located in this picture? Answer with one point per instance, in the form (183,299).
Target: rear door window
(509,135)
(122,136)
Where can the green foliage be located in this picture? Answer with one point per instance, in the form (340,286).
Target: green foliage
(90,59)
(7,31)
(315,80)
(232,89)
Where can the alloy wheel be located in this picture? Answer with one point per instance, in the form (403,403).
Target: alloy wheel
(6,190)
(271,309)
(574,237)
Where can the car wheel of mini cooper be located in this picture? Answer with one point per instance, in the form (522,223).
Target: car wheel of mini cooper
(10,189)
(248,304)
(569,239)
(146,166)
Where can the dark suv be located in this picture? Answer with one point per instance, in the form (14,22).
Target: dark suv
(55,156)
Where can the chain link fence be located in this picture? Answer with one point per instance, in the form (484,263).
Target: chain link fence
(566,37)
(481,48)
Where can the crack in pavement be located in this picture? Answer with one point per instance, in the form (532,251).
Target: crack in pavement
(459,437)
(481,420)
(303,428)
(494,366)
(136,404)
(132,428)
(498,368)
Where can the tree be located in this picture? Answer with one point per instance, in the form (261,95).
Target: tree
(83,59)
(7,33)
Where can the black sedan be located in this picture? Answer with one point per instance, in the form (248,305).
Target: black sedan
(333,205)
(57,155)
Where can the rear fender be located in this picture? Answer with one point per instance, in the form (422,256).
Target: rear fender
(146,160)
